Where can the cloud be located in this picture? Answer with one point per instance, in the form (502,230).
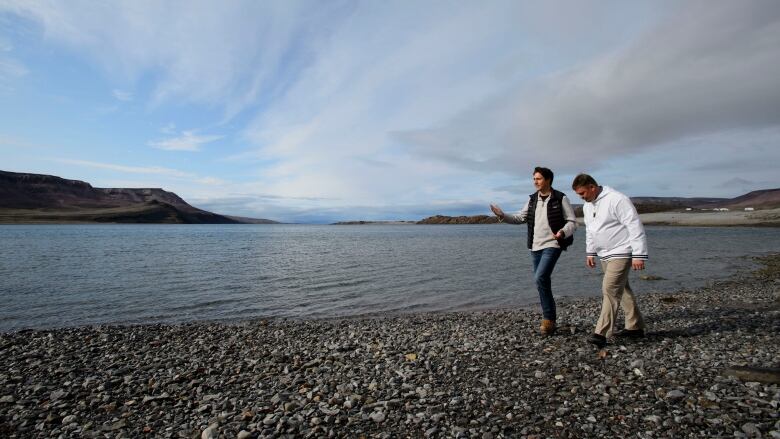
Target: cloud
(122,95)
(211,181)
(11,69)
(702,70)
(169,129)
(187,141)
(227,55)
(153,170)
(737,181)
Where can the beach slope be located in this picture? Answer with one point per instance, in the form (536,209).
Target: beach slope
(704,370)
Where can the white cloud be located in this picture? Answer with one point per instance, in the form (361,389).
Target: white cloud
(11,69)
(187,141)
(200,52)
(705,69)
(121,95)
(153,170)
(211,181)
(169,129)
(5,45)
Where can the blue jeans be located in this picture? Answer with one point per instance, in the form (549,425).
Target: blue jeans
(544,264)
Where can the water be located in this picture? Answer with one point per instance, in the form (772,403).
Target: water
(66,275)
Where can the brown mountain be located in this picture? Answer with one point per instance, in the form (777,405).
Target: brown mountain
(37,198)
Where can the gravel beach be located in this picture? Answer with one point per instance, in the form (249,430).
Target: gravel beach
(707,368)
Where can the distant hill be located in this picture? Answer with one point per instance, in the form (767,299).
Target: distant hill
(759,200)
(37,198)
(442,219)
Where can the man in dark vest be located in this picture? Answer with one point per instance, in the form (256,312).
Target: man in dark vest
(551,225)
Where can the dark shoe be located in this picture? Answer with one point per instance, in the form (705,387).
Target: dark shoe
(599,340)
(630,333)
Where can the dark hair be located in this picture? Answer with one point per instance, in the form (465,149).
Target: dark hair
(546,173)
(583,180)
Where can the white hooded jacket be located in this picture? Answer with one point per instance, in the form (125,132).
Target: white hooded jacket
(612,227)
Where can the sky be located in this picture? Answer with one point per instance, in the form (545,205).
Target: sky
(316,112)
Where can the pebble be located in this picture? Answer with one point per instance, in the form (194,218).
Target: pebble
(212,432)
(480,374)
(675,395)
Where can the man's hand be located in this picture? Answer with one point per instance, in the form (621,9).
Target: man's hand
(638,264)
(590,261)
(497,210)
(560,235)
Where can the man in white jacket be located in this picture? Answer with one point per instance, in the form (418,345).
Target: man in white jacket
(614,233)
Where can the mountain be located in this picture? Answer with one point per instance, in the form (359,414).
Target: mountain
(37,198)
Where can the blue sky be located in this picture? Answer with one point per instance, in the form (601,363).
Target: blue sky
(304,111)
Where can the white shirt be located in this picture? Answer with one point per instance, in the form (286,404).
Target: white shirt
(543,234)
(613,229)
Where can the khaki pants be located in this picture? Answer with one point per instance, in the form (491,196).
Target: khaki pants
(616,291)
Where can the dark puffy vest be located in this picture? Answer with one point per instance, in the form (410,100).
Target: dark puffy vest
(554,217)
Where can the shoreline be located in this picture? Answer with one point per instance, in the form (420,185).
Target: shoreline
(758,218)
(485,374)
(736,218)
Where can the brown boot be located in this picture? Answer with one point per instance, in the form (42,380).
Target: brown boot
(548,327)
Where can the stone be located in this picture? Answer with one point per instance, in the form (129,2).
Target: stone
(675,395)
(212,432)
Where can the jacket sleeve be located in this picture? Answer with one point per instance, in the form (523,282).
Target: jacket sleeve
(628,216)
(590,248)
(519,217)
(568,215)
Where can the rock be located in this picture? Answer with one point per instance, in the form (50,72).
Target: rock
(243,434)
(675,395)
(755,374)
(57,395)
(751,430)
(377,417)
(68,419)
(212,432)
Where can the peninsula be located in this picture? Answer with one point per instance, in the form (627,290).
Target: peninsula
(40,199)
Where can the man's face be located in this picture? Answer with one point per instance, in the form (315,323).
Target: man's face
(587,193)
(540,183)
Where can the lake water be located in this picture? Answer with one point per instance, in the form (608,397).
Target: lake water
(66,275)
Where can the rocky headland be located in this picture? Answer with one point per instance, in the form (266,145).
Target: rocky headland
(707,368)
(40,199)
(475,219)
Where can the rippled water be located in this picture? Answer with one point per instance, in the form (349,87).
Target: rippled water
(77,275)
